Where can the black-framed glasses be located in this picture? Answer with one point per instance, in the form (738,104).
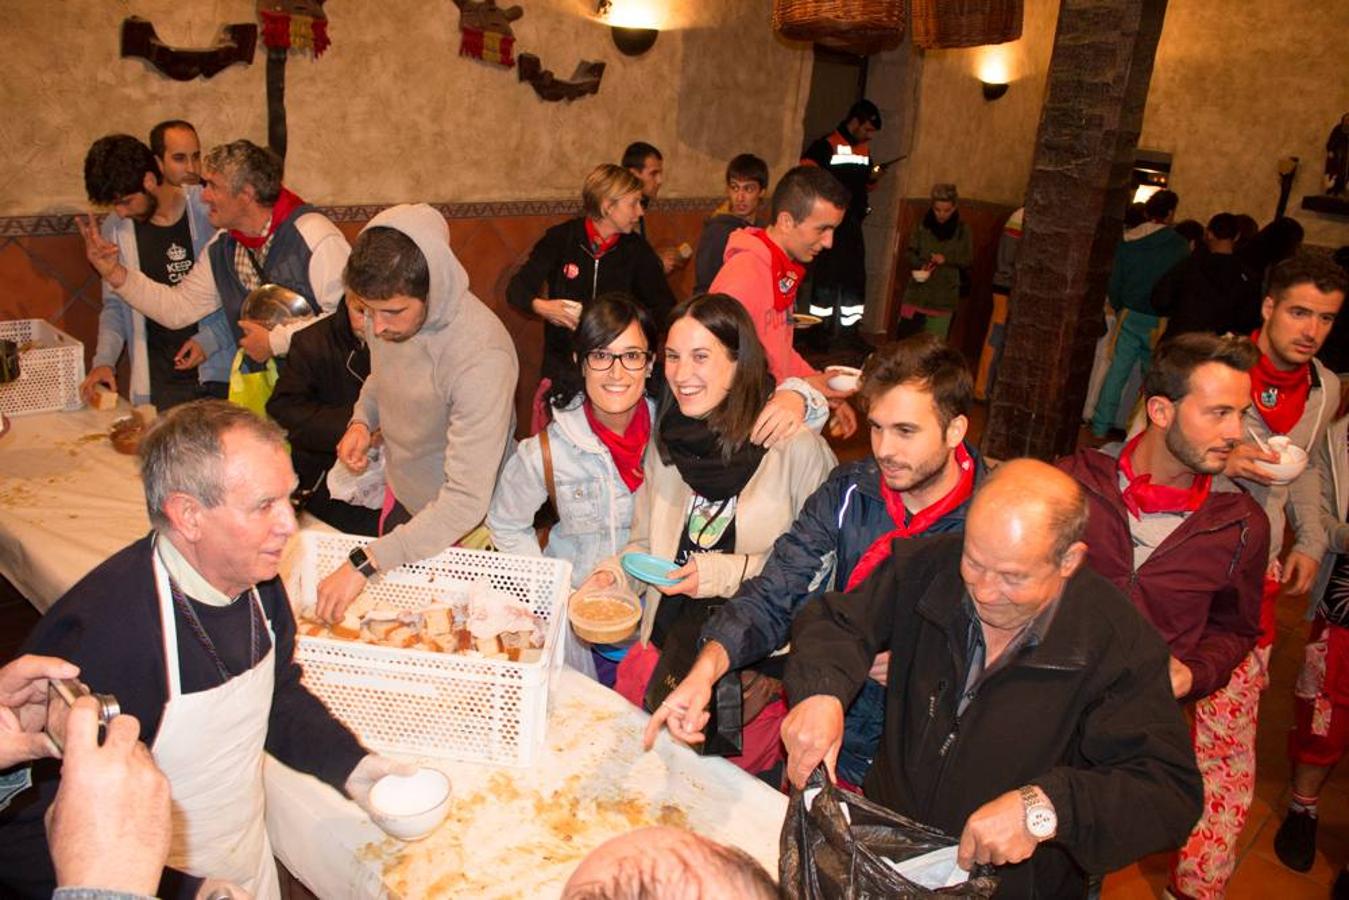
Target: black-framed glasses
(633,360)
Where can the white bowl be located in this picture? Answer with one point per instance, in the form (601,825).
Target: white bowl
(843,378)
(409,807)
(921,275)
(1292,460)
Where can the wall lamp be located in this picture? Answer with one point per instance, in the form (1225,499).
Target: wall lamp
(993,90)
(632,36)
(994,70)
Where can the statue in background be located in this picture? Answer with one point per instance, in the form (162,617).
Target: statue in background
(1337,158)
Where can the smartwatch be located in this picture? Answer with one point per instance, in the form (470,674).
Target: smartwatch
(361,561)
(1041,820)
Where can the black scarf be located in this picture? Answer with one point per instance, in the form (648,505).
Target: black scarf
(942,231)
(695,451)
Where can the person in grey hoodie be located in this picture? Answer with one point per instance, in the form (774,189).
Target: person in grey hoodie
(440,392)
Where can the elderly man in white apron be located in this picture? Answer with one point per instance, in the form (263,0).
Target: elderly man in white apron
(218,688)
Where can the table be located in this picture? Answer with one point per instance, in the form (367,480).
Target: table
(68,501)
(520,832)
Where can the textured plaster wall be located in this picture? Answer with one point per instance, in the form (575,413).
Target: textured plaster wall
(984,147)
(1236,86)
(391,112)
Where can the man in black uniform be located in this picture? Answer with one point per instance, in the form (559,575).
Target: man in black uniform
(838,279)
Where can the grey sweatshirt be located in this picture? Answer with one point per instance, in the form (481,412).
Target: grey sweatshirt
(444,399)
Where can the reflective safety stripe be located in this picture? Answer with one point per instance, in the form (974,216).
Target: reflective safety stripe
(845,319)
(821,310)
(849,159)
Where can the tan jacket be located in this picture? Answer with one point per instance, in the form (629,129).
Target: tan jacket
(787,475)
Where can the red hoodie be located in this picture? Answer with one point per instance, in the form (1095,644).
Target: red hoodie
(747,275)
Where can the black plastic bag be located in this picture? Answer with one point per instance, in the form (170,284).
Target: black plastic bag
(824,857)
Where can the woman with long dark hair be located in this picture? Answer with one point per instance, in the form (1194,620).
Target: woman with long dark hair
(711,501)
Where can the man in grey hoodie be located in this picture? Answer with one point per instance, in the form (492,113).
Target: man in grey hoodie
(440,392)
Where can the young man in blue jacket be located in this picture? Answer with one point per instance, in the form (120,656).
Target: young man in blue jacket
(918,480)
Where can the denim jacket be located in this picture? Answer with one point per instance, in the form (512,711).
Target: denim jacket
(121,326)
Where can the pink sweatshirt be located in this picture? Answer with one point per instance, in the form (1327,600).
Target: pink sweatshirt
(747,275)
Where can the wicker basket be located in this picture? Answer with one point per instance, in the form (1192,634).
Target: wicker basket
(942,24)
(858,26)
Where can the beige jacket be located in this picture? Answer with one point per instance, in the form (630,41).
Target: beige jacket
(787,475)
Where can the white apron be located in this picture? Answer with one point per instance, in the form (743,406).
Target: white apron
(210,745)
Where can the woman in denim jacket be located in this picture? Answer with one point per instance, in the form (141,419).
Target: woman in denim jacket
(597,441)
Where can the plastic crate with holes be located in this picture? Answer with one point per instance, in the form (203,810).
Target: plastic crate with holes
(51,367)
(448,705)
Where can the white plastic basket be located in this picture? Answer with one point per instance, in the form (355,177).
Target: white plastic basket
(49,373)
(436,704)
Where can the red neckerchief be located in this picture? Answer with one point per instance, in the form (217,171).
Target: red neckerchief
(286,203)
(1142,496)
(879,551)
(599,245)
(1280,397)
(786,273)
(627,448)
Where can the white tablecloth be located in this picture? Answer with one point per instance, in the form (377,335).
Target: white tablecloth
(68,501)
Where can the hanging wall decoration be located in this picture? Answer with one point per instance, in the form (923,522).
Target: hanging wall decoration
(585,80)
(288,26)
(485,31)
(236,45)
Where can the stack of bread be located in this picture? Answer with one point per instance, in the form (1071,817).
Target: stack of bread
(485,623)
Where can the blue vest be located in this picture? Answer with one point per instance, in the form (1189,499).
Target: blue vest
(287,265)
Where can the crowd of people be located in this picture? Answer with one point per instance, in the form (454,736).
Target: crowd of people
(1059,666)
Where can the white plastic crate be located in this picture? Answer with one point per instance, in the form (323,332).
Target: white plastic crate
(49,373)
(436,704)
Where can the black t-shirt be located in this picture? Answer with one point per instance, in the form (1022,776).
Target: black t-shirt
(166,256)
(708,528)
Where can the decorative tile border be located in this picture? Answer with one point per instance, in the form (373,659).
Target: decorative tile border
(53,224)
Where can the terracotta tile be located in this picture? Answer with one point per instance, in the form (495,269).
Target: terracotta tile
(60,257)
(1261,878)
(28,292)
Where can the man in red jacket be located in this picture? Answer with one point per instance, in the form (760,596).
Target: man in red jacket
(1186,544)
(764,266)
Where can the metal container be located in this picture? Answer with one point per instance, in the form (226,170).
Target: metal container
(271,304)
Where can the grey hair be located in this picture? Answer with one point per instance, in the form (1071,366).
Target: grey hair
(183,453)
(245,163)
(944,191)
(1067,522)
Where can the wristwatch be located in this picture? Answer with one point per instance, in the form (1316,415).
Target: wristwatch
(1041,820)
(361,561)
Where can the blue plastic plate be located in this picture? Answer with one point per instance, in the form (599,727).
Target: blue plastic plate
(648,568)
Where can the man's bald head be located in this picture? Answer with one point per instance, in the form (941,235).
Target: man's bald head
(1025,498)
(668,862)
(1023,541)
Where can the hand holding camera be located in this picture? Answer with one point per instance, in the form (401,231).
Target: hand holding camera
(23,707)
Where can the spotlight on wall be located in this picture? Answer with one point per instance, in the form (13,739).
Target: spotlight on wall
(633,24)
(994,71)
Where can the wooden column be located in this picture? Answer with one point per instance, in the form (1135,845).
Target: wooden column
(1079,186)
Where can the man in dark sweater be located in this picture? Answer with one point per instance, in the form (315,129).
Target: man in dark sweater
(313,400)
(1028,707)
(1209,289)
(746,181)
(191,630)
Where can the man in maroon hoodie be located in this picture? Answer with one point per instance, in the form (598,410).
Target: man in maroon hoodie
(1186,544)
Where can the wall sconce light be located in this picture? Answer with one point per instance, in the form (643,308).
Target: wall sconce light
(632,35)
(994,71)
(993,90)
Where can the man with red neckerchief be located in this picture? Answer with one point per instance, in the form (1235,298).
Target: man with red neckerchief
(764,266)
(1185,543)
(919,480)
(1294,395)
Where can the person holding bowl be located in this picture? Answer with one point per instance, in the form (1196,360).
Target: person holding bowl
(712,501)
(938,250)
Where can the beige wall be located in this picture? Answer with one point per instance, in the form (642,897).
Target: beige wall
(391,112)
(1236,86)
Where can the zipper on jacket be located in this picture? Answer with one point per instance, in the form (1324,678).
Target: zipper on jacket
(595,278)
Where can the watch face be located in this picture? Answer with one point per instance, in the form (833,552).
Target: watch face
(1041,821)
